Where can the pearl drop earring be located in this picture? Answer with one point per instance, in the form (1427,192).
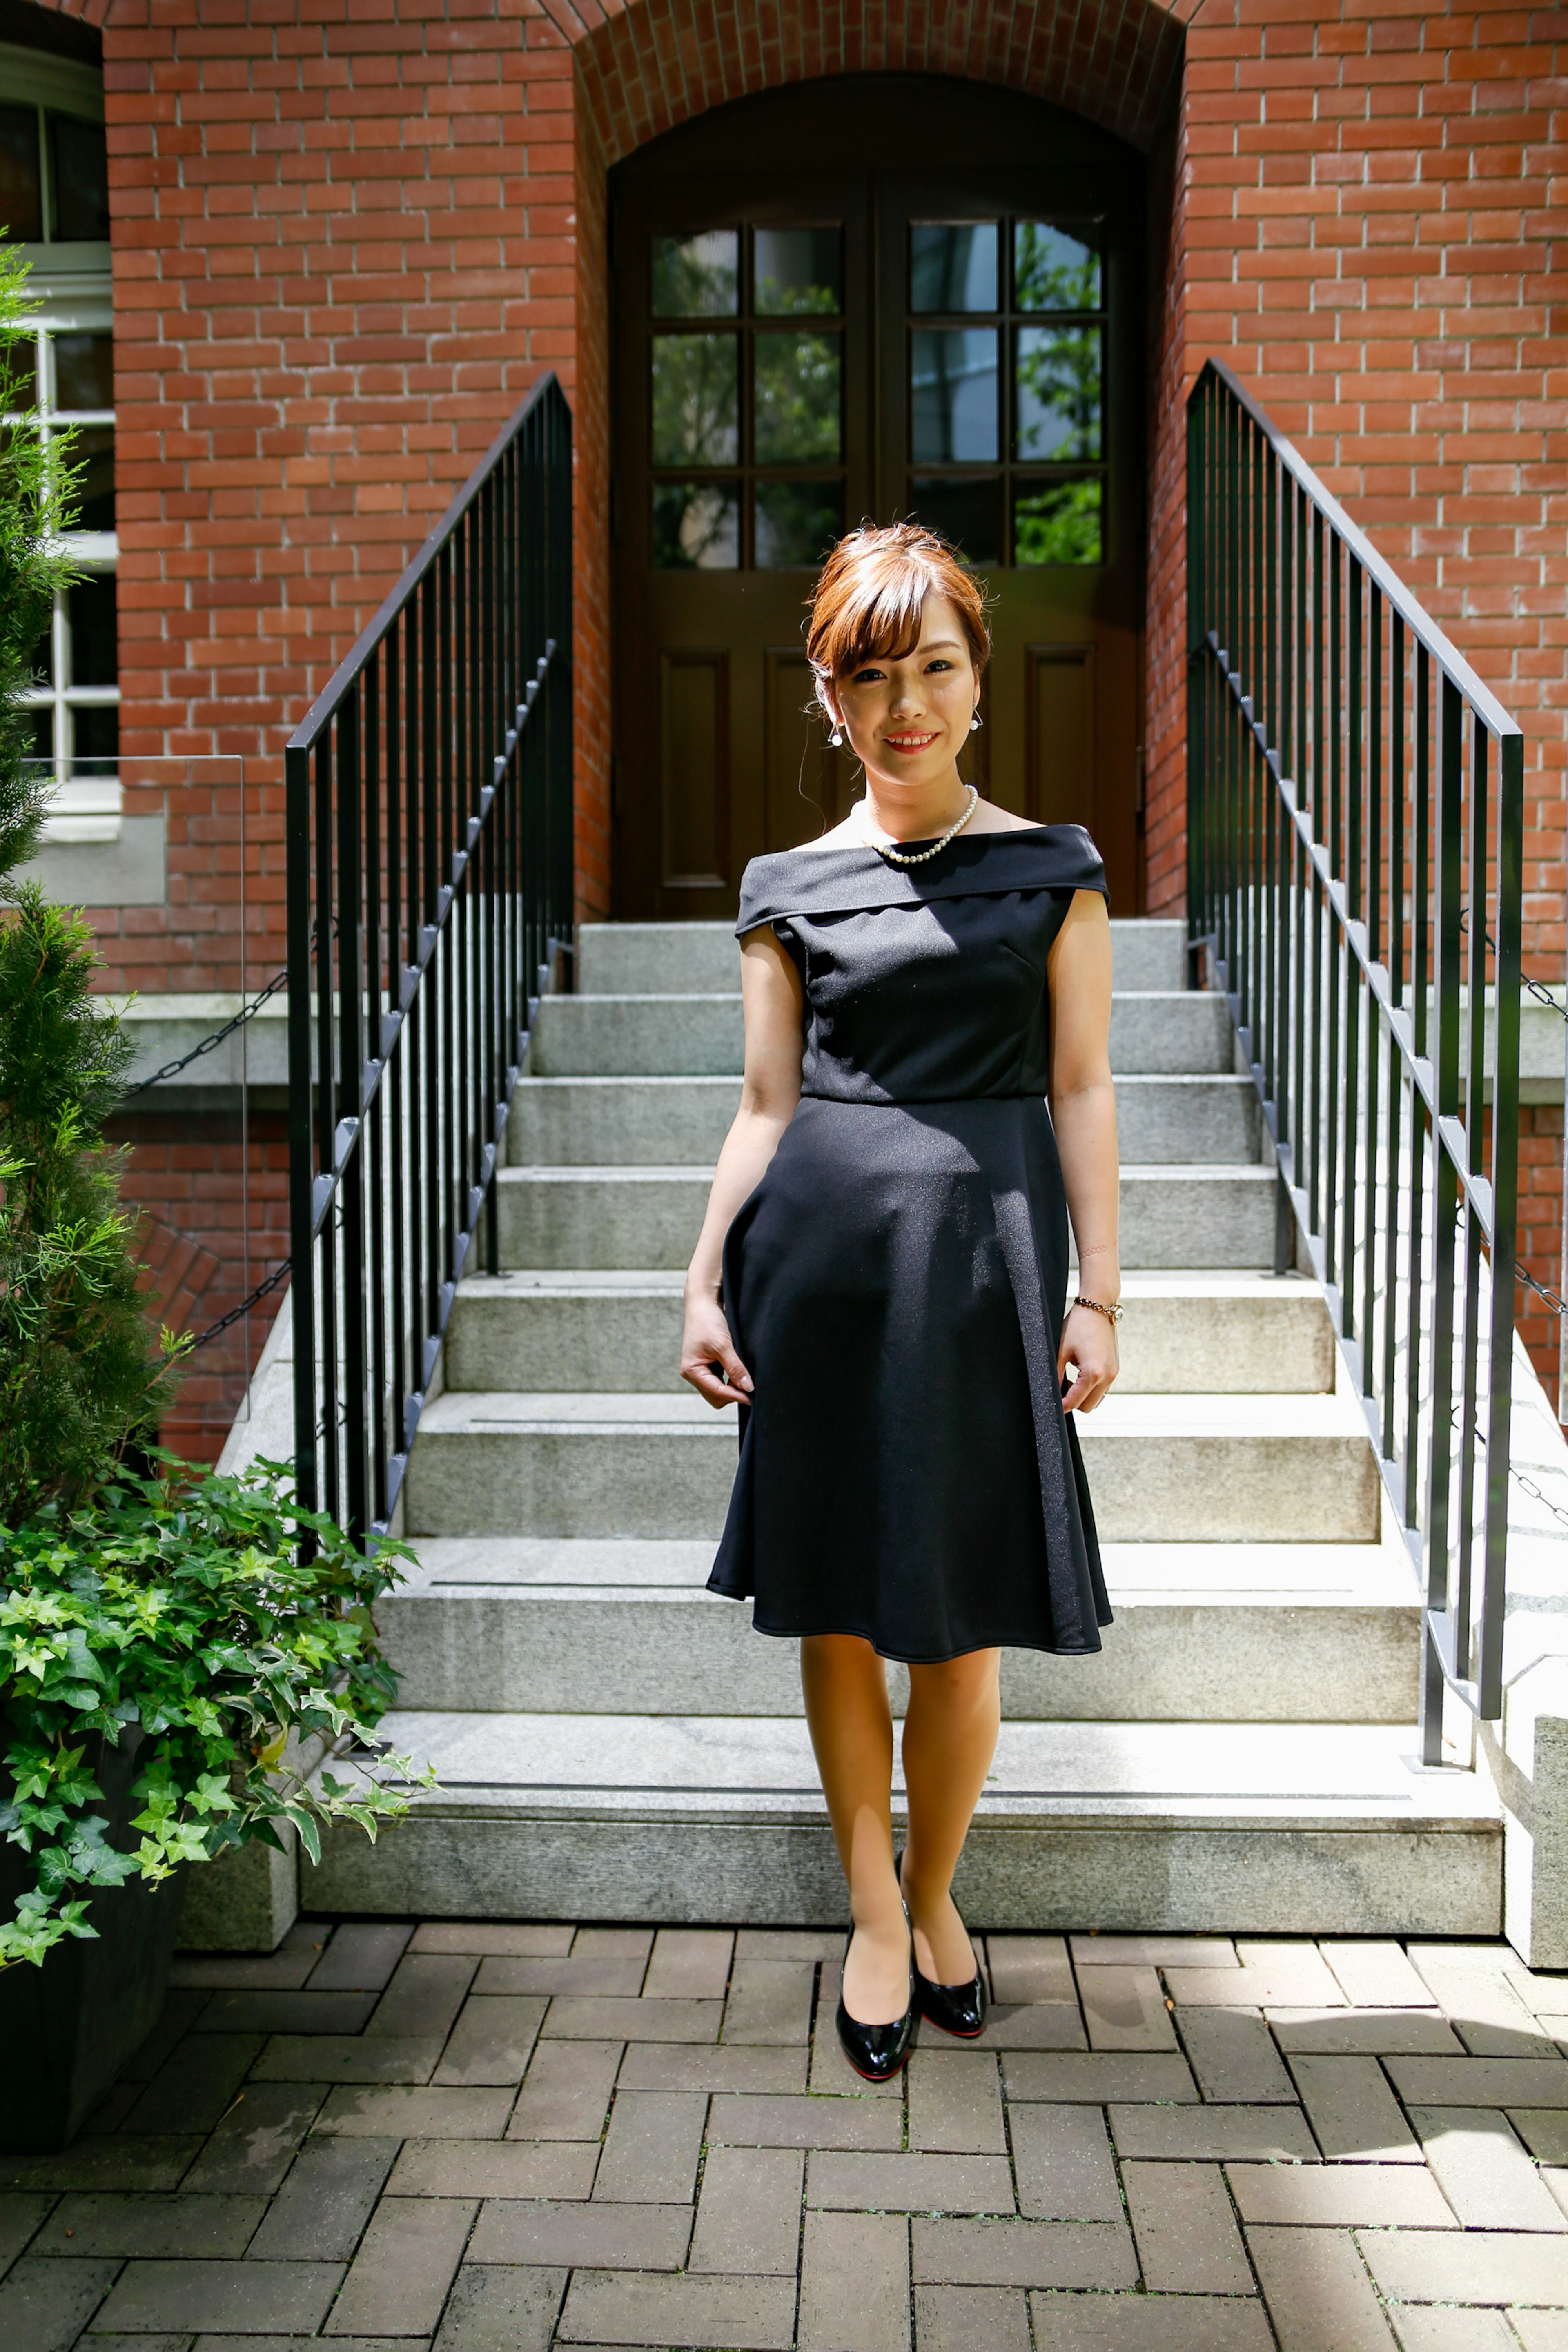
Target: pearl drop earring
(837,739)
(975,720)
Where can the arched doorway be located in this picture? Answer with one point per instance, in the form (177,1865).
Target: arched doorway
(875,295)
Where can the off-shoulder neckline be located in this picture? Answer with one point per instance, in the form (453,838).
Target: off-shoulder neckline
(919,841)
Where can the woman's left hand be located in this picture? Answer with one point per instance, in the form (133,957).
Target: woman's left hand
(1088,1344)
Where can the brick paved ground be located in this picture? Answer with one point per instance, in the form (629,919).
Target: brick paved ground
(497,2139)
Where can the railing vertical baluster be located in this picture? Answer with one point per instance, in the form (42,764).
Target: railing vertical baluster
(1506,975)
(375,999)
(1475,1038)
(1447,963)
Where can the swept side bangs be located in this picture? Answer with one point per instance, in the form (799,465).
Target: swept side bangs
(872,594)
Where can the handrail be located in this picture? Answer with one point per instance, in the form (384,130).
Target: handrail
(429,862)
(1360,901)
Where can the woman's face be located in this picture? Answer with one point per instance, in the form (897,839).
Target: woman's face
(908,718)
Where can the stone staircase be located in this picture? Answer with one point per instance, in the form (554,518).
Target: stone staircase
(613,1742)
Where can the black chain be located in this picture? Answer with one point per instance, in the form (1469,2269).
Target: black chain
(1536,988)
(1528,1282)
(209,1045)
(253,1299)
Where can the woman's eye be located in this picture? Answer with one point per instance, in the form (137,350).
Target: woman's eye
(865,677)
(938,665)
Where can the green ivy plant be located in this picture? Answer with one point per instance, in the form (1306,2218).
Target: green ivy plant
(180,1610)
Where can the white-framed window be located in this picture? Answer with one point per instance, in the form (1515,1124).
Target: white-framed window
(54,203)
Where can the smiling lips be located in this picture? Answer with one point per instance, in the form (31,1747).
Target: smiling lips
(909,743)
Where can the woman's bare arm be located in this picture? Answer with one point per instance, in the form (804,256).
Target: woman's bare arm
(773,1003)
(1083,1111)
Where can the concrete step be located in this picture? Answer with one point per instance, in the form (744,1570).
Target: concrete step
(682,1122)
(701,1034)
(1321,1829)
(621,1626)
(1177,1469)
(559,1219)
(673,959)
(583,1329)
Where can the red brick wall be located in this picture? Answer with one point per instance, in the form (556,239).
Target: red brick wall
(1541,1231)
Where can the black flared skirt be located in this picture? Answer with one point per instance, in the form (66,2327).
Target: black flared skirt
(895,1286)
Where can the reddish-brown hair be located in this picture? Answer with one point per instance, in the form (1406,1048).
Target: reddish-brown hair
(872,591)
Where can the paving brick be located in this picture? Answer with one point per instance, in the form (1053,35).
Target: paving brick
(286,2012)
(961,2318)
(1211,2134)
(1124,2009)
(620,1973)
(1184,2230)
(426,1991)
(196,2083)
(1477,1998)
(955,2103)
(619,2308)
(496,2308)
(566,2091)
(44,2304)
(361,1956)
(1148,2323)
(844,2181)
(568,2019)
(1024,2253)
(286,1968)
(1483,2171)
(320,2213)
(1354,2111)
(1097,2078)
(1293,1977)
(183,2341)
(389,2111)
(1421,2330)
(770,2003)
(579,2235)
(789,1944)
(1030,1968)
(255,2144)
(1365,2032)
(612,1943)
(1039,2026)
(1233,2055)
(290,2298)
(1544,2130)
(683,2067)
(349,2058)
(688,1964)
(1061,2156)
(748,2215)
(482,1936)
(179,2015)
(1482,2082)
(1541,2331)
(21,2213)
(1468,2266)
(652,2147)
(107,2223)
(128,2160)
(490,2168)
(407,2259)
(1376,1975)
(1318,2292)
(1155,1951)
(1341,2196)
(854,2284)
(745,2121)
(492,2039)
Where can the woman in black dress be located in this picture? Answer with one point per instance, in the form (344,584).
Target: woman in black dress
(881,1279)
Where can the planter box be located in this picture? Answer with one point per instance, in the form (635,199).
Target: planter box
(68,2028)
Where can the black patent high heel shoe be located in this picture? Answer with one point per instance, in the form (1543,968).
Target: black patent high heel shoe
(878,2052)
(958,2009)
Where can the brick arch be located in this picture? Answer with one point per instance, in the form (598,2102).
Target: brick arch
(645,66)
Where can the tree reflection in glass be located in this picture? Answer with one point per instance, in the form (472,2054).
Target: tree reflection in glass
(696,276)
(796,272)
(1058,392)
(696,526)
(695,382)
(1060,522)
(796,523)
(1053,270)
(798,398)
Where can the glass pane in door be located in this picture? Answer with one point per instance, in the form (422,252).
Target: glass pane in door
(696,276)
(797,522)
(797,399)
(1053,269)
(1058,387)
(964,508)
(695,406)
(696,526)
(952,395)
(1057,522)
(795,271)
(953,265)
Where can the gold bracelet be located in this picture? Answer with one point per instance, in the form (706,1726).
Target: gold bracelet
(1098,1307)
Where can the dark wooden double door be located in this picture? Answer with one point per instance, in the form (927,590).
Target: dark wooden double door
(808,332)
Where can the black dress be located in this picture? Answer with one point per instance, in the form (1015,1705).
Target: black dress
(896,1283)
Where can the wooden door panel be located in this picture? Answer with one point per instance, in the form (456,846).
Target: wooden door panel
(694,768)
(1060,712)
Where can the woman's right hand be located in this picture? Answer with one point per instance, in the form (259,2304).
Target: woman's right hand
(707,1358)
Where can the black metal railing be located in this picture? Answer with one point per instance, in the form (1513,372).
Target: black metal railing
(429,886)
(1355,815)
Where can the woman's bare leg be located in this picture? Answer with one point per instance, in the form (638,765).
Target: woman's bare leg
(846,1688)
(949,1738)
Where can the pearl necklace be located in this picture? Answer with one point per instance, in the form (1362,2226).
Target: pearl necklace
(894,857)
